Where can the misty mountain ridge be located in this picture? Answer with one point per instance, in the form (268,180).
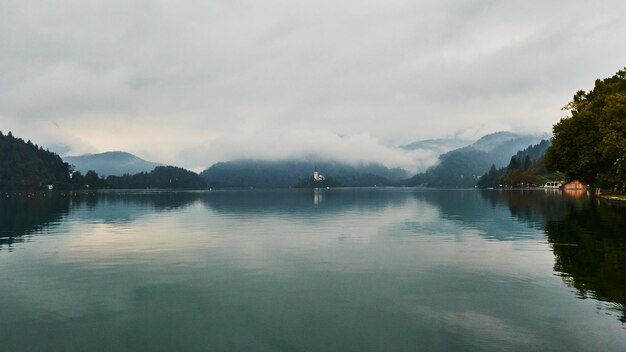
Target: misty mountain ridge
(245,173)
(463,166)
(439,145)
(498,139)
(494,140)
(457,167)
(115,163)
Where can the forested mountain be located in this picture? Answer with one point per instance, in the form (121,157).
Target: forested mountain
(286,173)
(533,152)
(526,168)
(463,167)
(162,177)
(24,165)
(110,163)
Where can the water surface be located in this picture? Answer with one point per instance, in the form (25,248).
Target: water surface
(311,270)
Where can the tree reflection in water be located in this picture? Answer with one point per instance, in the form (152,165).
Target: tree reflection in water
(587,237)
(589,246)
(22,214)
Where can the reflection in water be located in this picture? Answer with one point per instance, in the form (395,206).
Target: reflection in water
(588,239)
(338,269)
(318,196)
(298,202)
(491,212)
(533,207)
(576,193)
(22,214)
(589,244)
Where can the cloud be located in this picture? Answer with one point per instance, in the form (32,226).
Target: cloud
(309,144)
(246,78)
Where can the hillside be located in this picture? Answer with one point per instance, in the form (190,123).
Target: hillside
(463,167)
(24,165)
(284,174)
(110,163)
(526,168)
(162,177)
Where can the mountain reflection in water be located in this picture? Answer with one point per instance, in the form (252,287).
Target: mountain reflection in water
(435,266)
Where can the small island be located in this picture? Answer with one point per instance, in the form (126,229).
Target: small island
(317,181)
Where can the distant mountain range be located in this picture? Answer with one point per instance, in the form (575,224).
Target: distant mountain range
(111,163)
(459,165)
(287,173)
(439,146)
(463,166)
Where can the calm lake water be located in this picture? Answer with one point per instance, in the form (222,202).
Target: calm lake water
(312,270)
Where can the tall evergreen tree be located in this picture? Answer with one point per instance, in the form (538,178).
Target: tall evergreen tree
(514,164)
(24,165)
(526,164)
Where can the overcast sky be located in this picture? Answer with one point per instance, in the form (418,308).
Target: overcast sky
(195,82)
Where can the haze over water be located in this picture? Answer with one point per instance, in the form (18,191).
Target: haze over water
(311,270)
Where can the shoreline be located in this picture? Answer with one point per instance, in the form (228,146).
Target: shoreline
(613,199)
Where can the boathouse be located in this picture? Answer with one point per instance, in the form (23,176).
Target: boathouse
(574,185)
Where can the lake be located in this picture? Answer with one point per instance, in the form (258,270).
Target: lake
(312,270)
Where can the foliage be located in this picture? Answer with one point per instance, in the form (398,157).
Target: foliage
(162,177)
(24,165)
(90,180)
(590,145)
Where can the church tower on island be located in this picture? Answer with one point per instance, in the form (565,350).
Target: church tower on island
(317,176)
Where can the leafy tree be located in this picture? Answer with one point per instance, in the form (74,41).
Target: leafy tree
(590,145)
